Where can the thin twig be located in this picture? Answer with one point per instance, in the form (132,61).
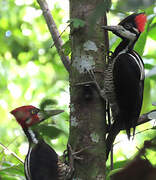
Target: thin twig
(60,35)
(144,118)
(143,131)
(12,153)
(54,33)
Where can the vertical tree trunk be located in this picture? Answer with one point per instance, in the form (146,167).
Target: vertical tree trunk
(87,118)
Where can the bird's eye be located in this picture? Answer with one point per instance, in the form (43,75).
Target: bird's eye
(128,25)
(34,111)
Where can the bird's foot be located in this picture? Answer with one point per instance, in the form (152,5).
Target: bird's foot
(110,55)
(71,156)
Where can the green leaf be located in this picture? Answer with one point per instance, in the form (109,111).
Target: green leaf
(77,23)
(47,102)
(67,47)
(152,26)
(147,96)
(152,32)
(12,172)
(152,72)
(150,56)
(140,45)
(50,131)
(148,66)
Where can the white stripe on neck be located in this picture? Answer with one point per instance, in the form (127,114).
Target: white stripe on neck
(33,136)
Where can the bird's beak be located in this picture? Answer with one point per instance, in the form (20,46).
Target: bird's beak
(45,114)
(112,28)
(121,32)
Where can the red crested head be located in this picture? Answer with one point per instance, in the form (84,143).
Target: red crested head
(26,115)
(29,115)
(140,21)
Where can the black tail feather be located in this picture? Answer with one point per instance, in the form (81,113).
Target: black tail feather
(113,132)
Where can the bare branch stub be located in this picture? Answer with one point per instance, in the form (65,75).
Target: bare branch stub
(11,152)
(54,33)
(144,118)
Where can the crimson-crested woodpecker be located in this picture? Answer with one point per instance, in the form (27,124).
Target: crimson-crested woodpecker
(124,78)
(42,162)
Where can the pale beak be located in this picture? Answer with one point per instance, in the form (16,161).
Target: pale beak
(121,32)
(45,114)
(112,28)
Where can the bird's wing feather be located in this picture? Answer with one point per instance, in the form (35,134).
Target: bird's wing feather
(43,162)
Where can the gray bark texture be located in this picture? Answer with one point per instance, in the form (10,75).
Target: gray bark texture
(87,109)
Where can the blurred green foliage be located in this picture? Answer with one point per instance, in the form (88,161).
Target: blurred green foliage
(31,72)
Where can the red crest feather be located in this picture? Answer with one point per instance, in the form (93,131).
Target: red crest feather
(140,22)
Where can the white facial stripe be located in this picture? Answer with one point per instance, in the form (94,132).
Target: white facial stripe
(125,33)
(28,121)
(33,137)
(136,30)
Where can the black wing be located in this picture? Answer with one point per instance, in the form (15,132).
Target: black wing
(42,160)
(127,74)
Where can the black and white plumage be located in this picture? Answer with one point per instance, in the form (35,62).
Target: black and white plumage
(124,78)
(41,162)
(124,82)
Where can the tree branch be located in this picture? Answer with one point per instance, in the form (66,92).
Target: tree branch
(145,118)
(11,152)
(142,119)
(54,33)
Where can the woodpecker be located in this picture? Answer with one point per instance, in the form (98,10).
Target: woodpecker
(124,78)
(41,162)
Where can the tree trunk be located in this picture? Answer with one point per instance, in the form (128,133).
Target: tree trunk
(87,109)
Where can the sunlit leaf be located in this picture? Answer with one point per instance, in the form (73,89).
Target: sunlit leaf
(14,172)
(47,102)
(49,130)
(77,23)
(148,66)
(67,47)
(146,97)
(152,72)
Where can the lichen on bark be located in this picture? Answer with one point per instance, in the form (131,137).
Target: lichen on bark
(87,121)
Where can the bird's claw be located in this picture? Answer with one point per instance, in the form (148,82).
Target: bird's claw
(71,157)
(71,154)
(110,56)
(101,91)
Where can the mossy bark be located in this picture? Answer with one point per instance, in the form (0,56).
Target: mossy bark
(87,109)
